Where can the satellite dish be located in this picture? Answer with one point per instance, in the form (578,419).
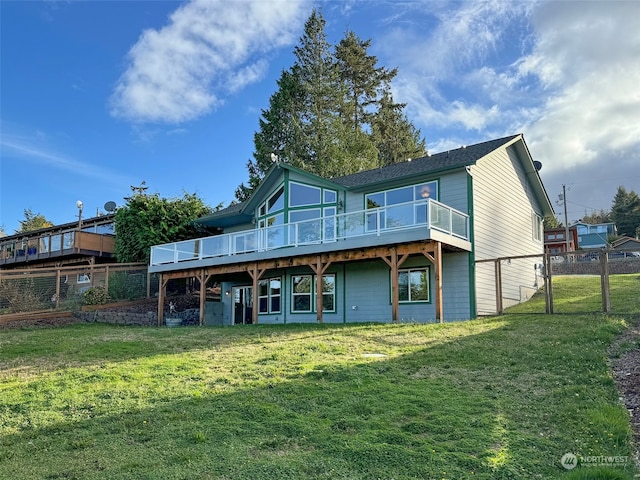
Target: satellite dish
(110,206)
(537,165)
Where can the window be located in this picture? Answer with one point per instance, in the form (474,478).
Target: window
(84,278)
(330,196)
(400,212)
(537,227)
(301,293)
(276,201)
(269,295)
(300,195)
(413,285)
(304,293)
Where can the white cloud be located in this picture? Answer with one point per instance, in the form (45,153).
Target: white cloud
(210,48)
(586,59)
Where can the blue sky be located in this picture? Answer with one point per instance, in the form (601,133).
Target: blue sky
(96,97)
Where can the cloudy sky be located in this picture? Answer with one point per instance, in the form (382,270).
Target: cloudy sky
(96,97)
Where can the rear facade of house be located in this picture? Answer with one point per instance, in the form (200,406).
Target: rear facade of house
(399,243)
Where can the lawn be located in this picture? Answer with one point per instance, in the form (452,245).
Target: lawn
(498,398)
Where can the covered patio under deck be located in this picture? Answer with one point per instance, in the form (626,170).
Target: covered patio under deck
(394,256)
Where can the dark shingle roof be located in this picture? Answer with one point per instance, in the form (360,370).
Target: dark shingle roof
(452,159)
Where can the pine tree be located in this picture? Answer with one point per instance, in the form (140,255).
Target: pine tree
(322,94)
(395,137)
(33,221)
(280,133)
(362,80)
(332,114)
(625,211)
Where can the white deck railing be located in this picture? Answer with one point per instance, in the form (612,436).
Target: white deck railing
(377,221)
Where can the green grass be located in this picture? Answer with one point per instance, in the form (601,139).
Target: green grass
(500,398)
(582,294)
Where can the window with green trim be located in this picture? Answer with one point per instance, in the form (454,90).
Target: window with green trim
(269,294)
(399,211)
(303,293)
(413,285)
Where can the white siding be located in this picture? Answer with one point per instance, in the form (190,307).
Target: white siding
(503,207)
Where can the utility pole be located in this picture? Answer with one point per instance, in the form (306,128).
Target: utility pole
(566,220)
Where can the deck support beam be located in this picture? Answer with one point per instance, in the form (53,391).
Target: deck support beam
(204,278)
(394,264)
(319,268)
(436,260)
(256,273)
(161,293)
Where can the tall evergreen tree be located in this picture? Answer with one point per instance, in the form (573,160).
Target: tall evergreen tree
(329,112)
(362,79)
(625,211)
(322,94)
(280,133)
(394,135)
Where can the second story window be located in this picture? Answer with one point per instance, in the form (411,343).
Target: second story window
(399,211)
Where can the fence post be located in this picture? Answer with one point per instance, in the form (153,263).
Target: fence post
(604,281)
(498,269)
(58,287)
(548,283)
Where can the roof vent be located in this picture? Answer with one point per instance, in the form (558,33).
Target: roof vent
(537,165)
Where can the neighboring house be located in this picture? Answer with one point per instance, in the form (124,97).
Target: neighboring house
(69,244)
(594,235)
(626,244)
(398,243)
(555,240)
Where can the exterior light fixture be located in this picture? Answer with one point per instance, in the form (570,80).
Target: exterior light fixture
(80,205)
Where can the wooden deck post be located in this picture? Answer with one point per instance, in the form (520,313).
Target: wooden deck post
(204,278)
(436,260)
(319,268)
(394,264)
(162,284)
(255,274)
(438,282)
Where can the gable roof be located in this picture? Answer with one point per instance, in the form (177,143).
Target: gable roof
(449,160)
(431,164)
(626,243)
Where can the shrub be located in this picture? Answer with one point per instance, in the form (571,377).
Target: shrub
(96,296)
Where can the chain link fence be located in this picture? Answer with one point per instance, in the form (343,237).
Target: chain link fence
(68,288)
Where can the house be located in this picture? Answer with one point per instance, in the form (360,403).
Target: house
(90,240)
(555,240)
(594,235)
(403,242)
(626,244)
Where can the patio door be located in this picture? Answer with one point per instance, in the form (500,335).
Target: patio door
(242,305)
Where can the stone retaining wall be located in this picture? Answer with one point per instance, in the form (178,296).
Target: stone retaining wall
(149,319)
(616,266)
